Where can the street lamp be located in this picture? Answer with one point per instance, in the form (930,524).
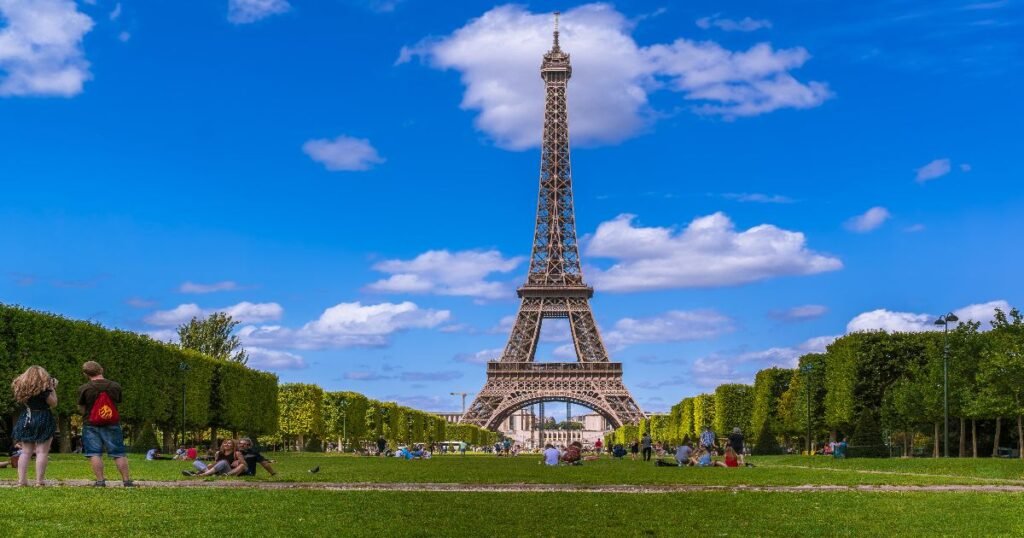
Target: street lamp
(182,367)
(806,369)
(945,321)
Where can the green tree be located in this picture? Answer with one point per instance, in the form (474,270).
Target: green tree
(1001,372)
(212,336)
(301,408)
(769,385)
(733,405)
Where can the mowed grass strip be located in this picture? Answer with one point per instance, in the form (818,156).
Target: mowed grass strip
(33,512)
(770,471)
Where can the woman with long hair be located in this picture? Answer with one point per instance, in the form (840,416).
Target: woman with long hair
(229,461)
(36,393)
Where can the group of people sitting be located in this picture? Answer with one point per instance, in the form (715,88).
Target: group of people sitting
(570,455)
(836,449)
(418,452)
(233,459)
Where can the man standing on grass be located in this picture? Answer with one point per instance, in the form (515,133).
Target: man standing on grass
(707,438)
(645,443)
(101,429)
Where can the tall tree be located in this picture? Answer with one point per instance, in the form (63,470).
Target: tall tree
(212,336)
(1001,372)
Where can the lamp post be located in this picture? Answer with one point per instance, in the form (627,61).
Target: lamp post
(806,369)
(182,367)
(945,321)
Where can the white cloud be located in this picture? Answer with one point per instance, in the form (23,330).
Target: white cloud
(248,11)
(175,316)
(41,48)
(270,359)
(746,24)
(192,287)
(139,302)
(870,220)
(914,228)
(446,375)
(163,335)
(758,198)
(346,325)
(965,167)
(343,154)
(672,326)
(365,375)
(480,357)
(983,312)
(709,252)
(933,170)
(247,312)
(124,37)
(442,272)
(244,312)
(800,313)
(890,321)
(497,56)
(710,371)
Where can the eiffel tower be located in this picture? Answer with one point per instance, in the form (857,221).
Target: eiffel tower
(554,289)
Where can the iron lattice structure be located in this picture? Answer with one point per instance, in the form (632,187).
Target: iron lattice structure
(554,289)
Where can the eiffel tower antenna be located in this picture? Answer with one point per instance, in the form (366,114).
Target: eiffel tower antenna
(556,30)
(554,288)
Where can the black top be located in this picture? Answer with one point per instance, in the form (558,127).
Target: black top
(736,441)
(38,402)
(252,457)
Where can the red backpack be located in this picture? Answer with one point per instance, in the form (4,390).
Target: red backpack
(103,412)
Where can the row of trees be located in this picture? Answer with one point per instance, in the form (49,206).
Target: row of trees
(219,394)
(882,390)
(310,415)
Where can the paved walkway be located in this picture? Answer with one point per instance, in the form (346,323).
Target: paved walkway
(538,488)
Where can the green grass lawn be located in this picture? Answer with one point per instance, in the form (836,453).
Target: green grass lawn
(293,467)
(205,512)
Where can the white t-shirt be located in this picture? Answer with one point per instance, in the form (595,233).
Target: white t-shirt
(151,454)
(551,456)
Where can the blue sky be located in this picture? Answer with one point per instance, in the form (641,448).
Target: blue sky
(356,180)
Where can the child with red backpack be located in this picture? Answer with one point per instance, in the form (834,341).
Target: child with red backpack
(101,429)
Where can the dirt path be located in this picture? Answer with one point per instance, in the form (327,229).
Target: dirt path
(900,473)
(539,488)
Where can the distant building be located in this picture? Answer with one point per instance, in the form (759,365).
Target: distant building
(449,417)
(523,428)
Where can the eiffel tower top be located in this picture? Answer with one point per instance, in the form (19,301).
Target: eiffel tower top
(555,61)
(555,261)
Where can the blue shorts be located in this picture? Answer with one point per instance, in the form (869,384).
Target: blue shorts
(97,439)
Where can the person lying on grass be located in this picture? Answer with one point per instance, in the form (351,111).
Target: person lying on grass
(228,461)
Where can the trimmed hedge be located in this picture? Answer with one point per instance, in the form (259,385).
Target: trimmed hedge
(148,371)
(733,405)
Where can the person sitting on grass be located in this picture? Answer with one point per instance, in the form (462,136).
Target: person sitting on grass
(618,451)
(702,458)
(252,457)
(573,454)
(551,455)
(180,453)
(731,459)
(839,451)
(228,461)
(683,453)
(154,454)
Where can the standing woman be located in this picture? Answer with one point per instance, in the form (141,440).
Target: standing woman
(35,391)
